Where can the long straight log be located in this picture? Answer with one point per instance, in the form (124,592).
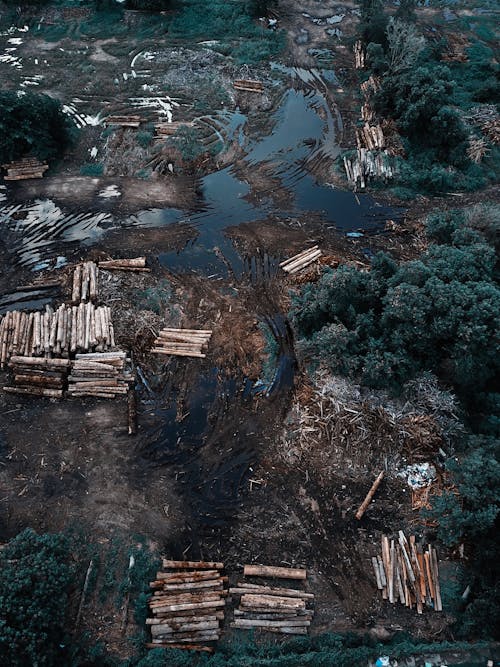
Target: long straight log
(187,577)
(183,330)
(271,601)
(35,391)
(364,505)
(39,380)
(196,605)
(181,647)
(37,361)
(194,613)
(294,258)
(189,638)
(199,585)
(303,262)
(435,577)
(173,627)
(110,357)
(77,281)
(192,565)
(274,615)
(254,623)
(218,616)
(137,262)
(190,598)
(274,572)
(177,353)
(266,590)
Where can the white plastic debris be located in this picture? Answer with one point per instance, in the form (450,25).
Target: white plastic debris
(419,475)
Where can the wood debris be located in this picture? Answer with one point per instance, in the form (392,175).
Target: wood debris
(275,609)
(21,170)
(187,605)
(359,55)
(477,149)
(405,573)
(300,261)
(249,85)
(123,121)
(102,375)
(182,342)
(364,505)
(137,264)
(85,282)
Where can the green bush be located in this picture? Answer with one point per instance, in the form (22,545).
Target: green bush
(32,124)
(35,580)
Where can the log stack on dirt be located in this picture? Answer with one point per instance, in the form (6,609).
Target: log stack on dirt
(277,609)
(367,165)
(187,605)
(38,377)
(24,169)
(137,264)
(101,375)
(370,137)
(359,55)
(85,282)
(300,261)
(164,130)
(183,342)
(123,121)
(406,573)
(248,85)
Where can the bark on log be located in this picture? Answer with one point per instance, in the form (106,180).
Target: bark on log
(192,565)
(211,604)
(274,572)
(181,647)
(218,616)
(271,602)
(255,623)
(187,577)
(364,505)
(35,391)
(283,592)
(39,380)
(172,627)
(37,361)
(195,586)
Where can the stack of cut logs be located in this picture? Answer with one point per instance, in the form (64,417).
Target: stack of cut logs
(56,333)
(248,85)
(405,573)
(366,165)
(38,377)
(370,136)
(300,261)
(164,130)
(102,375)
(136,264)
(123,121)
(273,609)
(359,55)
(182,342)
(25,169)
(85,282)
(187,605)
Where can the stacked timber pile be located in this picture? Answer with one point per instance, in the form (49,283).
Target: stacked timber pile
(370,136)
(359,55)
(248,85)
(24,169)
(272,609)
(123,121)
(38,377)
(300,261)
(137,264)
(163,130)
(187,605)
(367,165)
(85,282)
(56,332)
(404,572)
(367,112)
(183,342)
(101,375)
(371,85)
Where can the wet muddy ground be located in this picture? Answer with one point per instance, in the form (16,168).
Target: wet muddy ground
(204,476)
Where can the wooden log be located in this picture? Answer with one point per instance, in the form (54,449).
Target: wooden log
(383,577)
(298,256)
(188,576)
(364,505)
(274,572)
(196,613)
(183,330)
(392,571)
(189,638)
(210,604)
(217,616)
(112,358)
(200,585)
(96,394)
(179,598)
(427,561)
(191,565)
(435,578)
(37,361)
(77,284)
(173,627)
(137,262)
(177,353)
(267,590)
(399,583)
(303,261)
(273,615)
(38,380)
(182,647)
(271,602)
(255,623)
(377,573)
(35,391)
(93,276)
(85,282)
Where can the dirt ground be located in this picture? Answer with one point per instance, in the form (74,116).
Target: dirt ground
(212,471)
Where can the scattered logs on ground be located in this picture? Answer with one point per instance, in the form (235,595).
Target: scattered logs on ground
(187,605)
(101,375)
(248,85)
(123,121)
(21,170)
(300,261)
(38,377)
(359,55)
(137,264)
(182,342)
(85,282)
(275,609)
(406,573)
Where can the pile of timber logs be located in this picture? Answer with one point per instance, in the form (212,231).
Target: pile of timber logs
(269,608)
(300,261)
(405,573)
(187,605)
(38,377)
(370,136)
(123,121)
(137,264)
(372,84)
(182,342)
(248,85)
(85,282)
(102,375)
(24,169)
(164,130)
(367,165)
(359,55)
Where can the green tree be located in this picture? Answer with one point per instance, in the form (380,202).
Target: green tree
(32,124)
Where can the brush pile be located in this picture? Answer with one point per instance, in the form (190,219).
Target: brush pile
(187,605)
(406,573)
(280,610)
(102,375)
